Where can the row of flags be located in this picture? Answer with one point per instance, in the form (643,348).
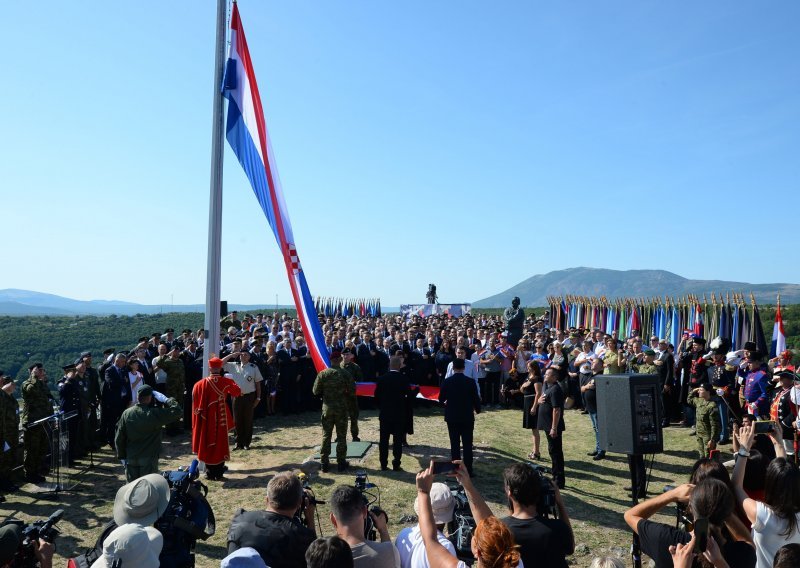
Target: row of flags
(730,318)
(346,307)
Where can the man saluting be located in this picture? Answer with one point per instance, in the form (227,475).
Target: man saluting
(211,420)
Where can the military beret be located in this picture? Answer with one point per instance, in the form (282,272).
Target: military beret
(649,352)
(336,354)
(35,366)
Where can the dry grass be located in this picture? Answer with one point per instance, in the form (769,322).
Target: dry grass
(594,494)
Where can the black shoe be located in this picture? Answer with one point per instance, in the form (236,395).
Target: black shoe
(594,453)
(342,466)
(356,439)
(384,468)
(7,486)
(628,488)
(397,468)
(326,467)
(406,445)
(599,456)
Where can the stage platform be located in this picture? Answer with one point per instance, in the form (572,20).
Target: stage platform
(355,450)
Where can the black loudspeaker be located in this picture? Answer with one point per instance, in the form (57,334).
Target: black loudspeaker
(223,308)
(629,414)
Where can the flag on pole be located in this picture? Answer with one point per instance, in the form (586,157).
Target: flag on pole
(246,131)
(778,335)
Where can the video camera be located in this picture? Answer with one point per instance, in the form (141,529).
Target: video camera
(546,506)
(460,529)
(25,557)
(363,485)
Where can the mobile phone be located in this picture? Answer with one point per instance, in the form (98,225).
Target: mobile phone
(443,466)
(764,427)
(700,535)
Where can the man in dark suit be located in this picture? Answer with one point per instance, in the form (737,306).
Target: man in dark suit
(116,396)
(551,422)
(422,367)
(365,357)
(459,393)
(391,394)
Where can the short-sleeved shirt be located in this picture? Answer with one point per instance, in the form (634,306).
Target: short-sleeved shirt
(246,375)
(411,547)
(656,538)
(542,542)
(554,398)
(370,554)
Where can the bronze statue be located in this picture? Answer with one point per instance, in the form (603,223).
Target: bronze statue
(514,318)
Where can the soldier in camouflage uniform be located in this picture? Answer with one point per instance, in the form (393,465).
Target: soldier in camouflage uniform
(355,373)
(9,432)
(338,393)
(707,418)
(173,366)
(38,405)
(138,435)
(646,367)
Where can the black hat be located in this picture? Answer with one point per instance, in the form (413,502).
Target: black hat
(86,354)
(68,368)
(786,375)
(187,330)
(755,354)
(35,366)
(78,361)
(155,335)
(347,350)
(169,330)
(700,340)
(108,351)
(750,346)
(706,387)
(142,339)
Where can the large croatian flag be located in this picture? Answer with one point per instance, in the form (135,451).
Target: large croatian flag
(246,131)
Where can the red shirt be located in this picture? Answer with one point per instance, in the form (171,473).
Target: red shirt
(211,419)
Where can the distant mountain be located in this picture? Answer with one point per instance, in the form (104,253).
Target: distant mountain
(15,302)
(625,283)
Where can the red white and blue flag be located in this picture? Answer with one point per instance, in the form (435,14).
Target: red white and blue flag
(778,335)
(246,131)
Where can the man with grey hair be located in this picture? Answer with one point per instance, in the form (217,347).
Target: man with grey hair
(116,396)
(280,539)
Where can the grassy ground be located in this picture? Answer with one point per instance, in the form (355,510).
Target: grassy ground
(594,496)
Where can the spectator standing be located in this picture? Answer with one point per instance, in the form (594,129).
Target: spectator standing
(589,393)
(460,397)
(491,360)
(532,389)
(391,395)
(551,422)
(37,405)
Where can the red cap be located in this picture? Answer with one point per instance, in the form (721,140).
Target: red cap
(215,363)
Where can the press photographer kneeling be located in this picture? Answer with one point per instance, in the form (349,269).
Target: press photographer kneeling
(279,537)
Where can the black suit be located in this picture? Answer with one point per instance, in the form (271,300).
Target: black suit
(365,360)
(459,393)
(115,396)
(391,394)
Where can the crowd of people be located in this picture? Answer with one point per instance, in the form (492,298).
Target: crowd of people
(263,367)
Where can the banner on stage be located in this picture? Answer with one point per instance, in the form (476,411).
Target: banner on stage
(426,310)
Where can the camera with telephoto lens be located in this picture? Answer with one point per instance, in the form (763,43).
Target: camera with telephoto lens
(25,556)
(460,529)
(308,497)
(363,485)
(546,506)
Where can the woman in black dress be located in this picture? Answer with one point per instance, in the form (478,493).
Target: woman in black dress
(532,387)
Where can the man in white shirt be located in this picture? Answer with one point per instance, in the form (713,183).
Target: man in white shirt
(249,379)
(409,542)
(470,368)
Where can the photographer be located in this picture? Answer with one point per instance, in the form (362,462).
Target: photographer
(710,499)
(409,541)
(543,542)
(279,538)
(492,543)
(348,516)
(10,540)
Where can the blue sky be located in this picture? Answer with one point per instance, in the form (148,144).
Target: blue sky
(470,144)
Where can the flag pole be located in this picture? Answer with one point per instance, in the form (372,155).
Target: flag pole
(214,269)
